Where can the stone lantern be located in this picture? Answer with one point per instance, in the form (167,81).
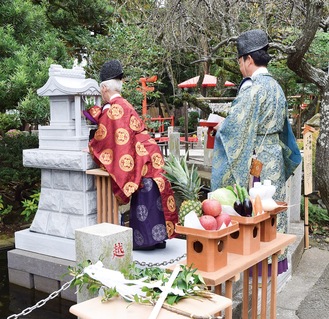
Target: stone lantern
(68,91)
(68,195)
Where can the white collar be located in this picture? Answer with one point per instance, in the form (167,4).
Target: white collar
(114,96)
(260,70)
(107,105)
(248,82)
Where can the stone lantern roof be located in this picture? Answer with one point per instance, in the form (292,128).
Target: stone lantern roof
(68,82)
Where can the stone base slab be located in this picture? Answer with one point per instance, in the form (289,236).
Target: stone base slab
(41,272)
(53,246)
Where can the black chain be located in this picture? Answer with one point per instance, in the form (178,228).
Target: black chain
(54,294)
(164,263)
(42,302)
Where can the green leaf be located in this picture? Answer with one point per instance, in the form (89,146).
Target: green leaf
(172,299)
(186,281)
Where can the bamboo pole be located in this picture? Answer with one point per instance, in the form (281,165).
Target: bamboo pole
(109,209)
(107,204)
(103,207)
(99,200)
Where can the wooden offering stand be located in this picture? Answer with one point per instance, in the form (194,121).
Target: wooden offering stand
(207,249)
(246,240)
(268,227)
(237,264)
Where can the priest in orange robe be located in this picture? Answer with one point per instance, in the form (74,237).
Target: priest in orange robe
(123,147)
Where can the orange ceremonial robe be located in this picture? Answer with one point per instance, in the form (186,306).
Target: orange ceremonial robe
(123,147)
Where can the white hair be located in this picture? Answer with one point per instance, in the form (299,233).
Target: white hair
(112,85)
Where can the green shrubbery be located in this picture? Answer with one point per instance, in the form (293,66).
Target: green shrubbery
(318,217)
(34,110)
(17,183)
(10,120)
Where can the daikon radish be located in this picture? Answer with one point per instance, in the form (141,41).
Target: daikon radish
(257,206)
(270,204)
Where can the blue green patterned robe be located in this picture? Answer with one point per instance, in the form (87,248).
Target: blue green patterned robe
(259,110)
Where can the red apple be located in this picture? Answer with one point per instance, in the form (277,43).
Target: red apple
(223,220)
(208,222)
(211,207)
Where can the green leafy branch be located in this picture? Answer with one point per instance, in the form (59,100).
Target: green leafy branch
(188,284)
(81,279)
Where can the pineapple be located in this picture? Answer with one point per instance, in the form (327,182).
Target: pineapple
(186,183)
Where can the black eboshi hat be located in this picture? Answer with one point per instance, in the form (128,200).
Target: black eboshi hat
(251,41)
(111,70)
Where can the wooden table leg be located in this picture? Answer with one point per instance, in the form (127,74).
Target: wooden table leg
(254,292)
(264,288)
(274,284)
(245,295)
(218,291)
(229,294)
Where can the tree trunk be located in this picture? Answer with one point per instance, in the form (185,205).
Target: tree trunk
(322,150)
(298,64)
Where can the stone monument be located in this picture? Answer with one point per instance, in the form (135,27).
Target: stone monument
(68,195)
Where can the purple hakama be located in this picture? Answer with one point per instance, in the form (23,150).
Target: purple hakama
(147,218)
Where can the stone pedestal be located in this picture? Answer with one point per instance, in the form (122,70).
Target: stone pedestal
(68,195)
(111,244)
